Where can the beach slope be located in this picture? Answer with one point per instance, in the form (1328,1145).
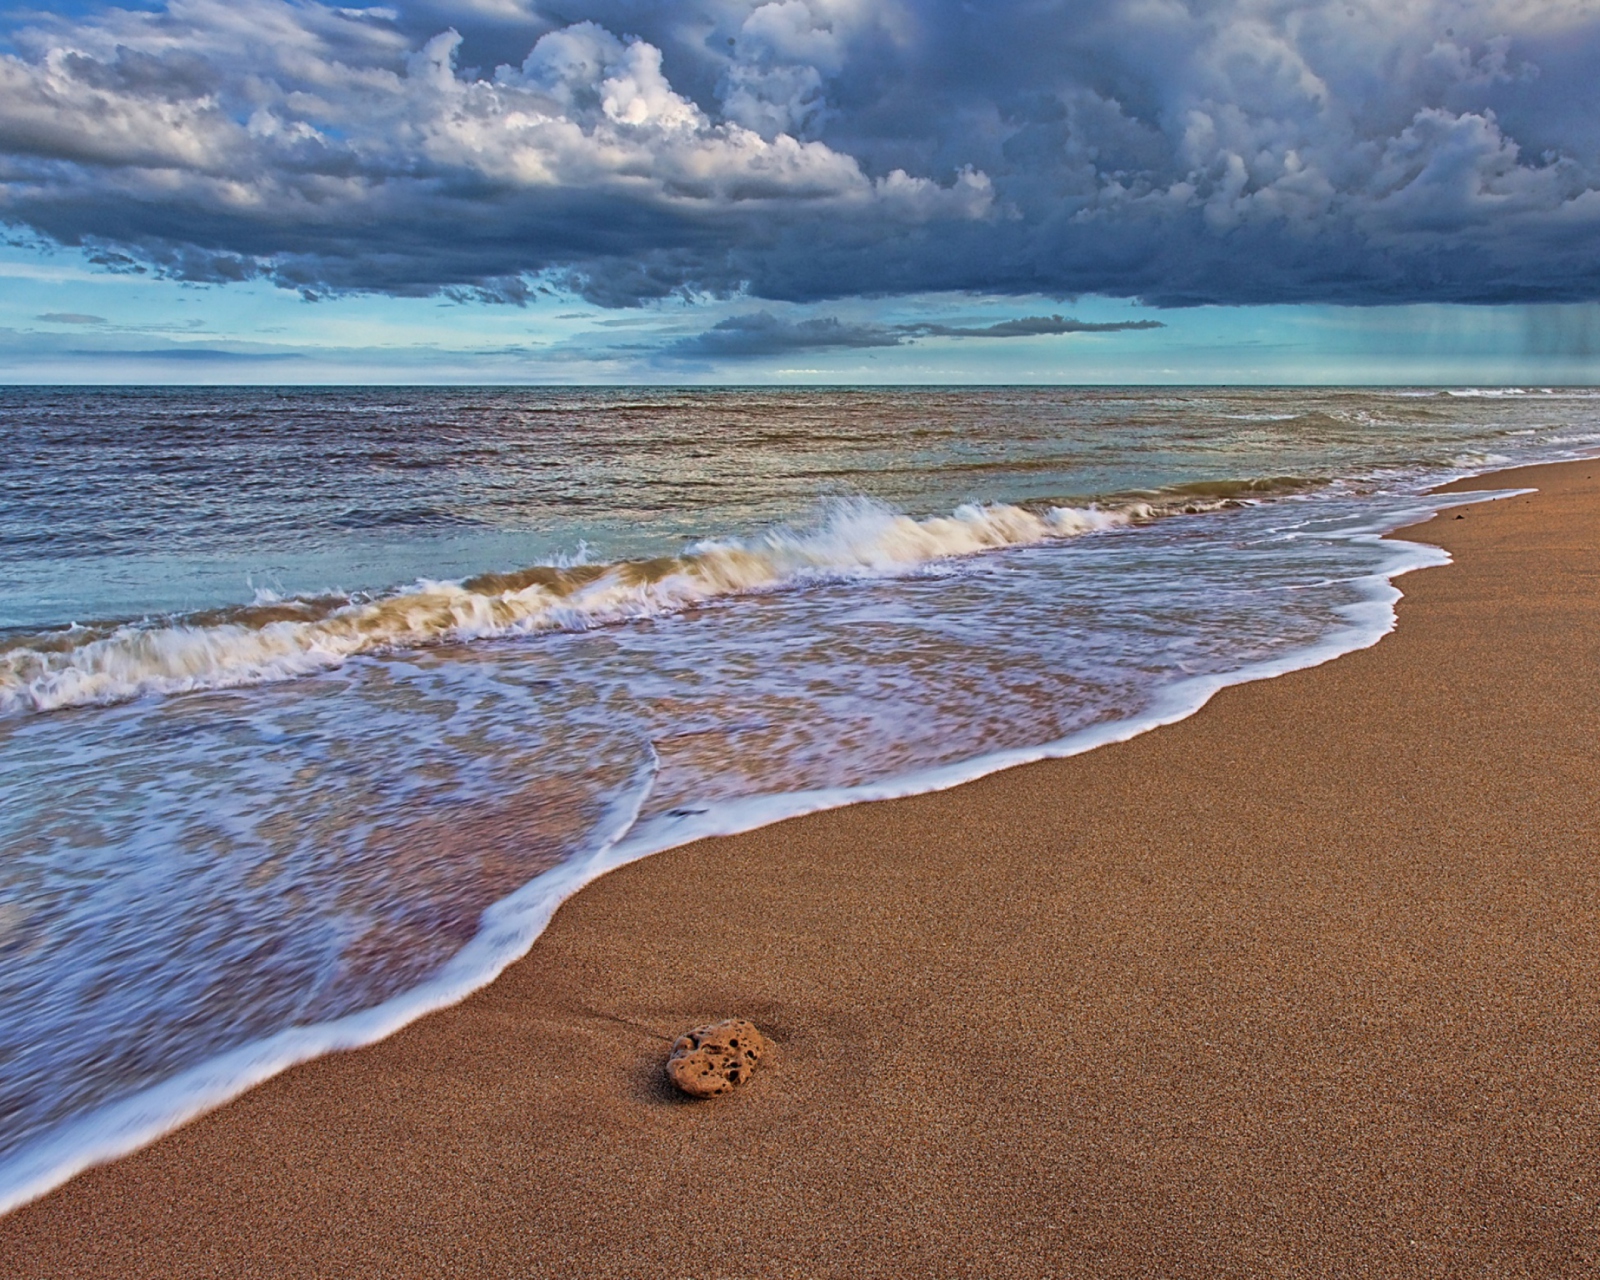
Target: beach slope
(1308,984)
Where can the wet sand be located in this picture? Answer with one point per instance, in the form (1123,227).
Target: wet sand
(1308,984)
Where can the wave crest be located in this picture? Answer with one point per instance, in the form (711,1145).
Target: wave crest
(273,640)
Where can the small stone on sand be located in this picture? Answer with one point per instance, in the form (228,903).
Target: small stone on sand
(714,1058)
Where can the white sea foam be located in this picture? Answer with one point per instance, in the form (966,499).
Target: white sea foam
(510,926)
(855,538)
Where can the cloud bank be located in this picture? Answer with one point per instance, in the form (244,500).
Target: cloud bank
(1227,151)
(1031,327)
(764,334)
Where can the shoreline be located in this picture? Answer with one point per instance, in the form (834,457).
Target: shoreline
(512,925)
(566,986)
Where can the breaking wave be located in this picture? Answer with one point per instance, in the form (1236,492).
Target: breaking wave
(277,639)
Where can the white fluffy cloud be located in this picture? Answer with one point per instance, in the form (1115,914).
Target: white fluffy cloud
(283,107)
(785,56)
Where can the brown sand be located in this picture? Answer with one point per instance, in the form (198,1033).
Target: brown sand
(1308,984)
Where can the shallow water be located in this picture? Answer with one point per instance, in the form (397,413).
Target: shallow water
(314,704)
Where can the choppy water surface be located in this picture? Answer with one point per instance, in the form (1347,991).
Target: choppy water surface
(314,703)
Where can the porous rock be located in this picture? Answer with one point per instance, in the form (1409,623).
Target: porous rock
(715,1058)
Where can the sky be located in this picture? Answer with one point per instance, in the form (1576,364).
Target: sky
(828,191)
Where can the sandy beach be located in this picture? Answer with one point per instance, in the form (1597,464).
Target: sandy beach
(1308,984)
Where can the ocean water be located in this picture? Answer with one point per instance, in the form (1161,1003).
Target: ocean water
(315,704)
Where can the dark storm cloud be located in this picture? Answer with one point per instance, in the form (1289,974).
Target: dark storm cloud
(1032,327)
(800,150)
(763,334)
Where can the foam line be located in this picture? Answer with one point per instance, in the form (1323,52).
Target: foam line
(508,928)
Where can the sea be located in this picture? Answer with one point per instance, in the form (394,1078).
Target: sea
(316,703)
